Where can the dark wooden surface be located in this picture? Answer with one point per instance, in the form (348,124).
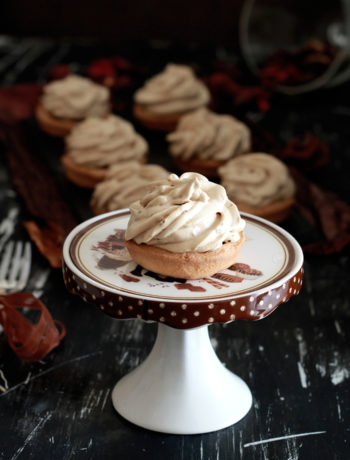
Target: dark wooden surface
(296,361)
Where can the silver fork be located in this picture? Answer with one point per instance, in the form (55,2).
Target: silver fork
(15,267)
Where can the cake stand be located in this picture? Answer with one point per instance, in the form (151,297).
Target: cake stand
(182,387)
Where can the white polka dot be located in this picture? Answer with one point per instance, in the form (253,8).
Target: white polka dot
(252,312)
(102,307)
(295,291)
(139,316)
(210,320)
(269,293)
(261,316)
(233,303)
(184,320)
(78,287)
(110,304)
(278,296)
(73,276)
(222,311)
(162,319)
(120,298)
(103,293)
(251,299)
(232,316)
(270,306)
(140,303)
(150,311)
(161,305)
(284,286)
(130,307)
(173,313)
(284,299)
(184,306)
(290,289)
(294,279)
(242,308)
(261,302)
(1,307)
(196,313)
(119,312)
(84,298)
(211,306)
(93,296)
(85,285)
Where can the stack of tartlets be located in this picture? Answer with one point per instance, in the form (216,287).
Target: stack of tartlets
(68,101)
(98,143)
(259,184)
(124,183)
(167,96)
(203,141)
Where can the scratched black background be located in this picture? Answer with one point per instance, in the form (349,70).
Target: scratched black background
(296,362)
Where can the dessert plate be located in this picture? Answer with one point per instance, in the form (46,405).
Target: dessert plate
(182,387)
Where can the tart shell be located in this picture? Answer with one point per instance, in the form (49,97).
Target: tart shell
(187,265)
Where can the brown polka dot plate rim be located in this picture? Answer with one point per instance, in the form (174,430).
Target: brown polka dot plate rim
(98,268)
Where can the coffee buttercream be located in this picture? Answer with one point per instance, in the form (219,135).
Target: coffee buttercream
(256,179)
(176,89)
(185,214)
(125,183)
(75,98)
(101,142)
(207,135)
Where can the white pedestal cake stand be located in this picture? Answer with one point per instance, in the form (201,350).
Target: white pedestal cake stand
(182,387)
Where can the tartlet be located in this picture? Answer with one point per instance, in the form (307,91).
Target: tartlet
(260,184)
(167,96)
(124,183)
(185,227)
(96,144)
(203,141)
(69,100)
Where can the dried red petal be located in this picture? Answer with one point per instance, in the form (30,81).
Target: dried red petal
(59,71)
(31,342)
(101,68)
(306,151)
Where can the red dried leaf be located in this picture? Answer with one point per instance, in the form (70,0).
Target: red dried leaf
(48,239)
(325,210)
(31,342)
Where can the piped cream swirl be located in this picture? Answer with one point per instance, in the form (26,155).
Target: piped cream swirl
(101,142)
(207,135)
(174,90)
(183,214)
(256,179)
(125,183)
(75,98)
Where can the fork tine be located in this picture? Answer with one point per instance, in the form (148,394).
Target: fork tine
(16,261)
(5,262)
(26,264)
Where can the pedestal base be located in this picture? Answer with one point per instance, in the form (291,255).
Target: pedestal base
(182,387)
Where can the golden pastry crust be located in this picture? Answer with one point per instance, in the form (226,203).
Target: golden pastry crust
(187,265)
(81,175)
(208,167)
(275,212)
(51,125)
(157,122)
